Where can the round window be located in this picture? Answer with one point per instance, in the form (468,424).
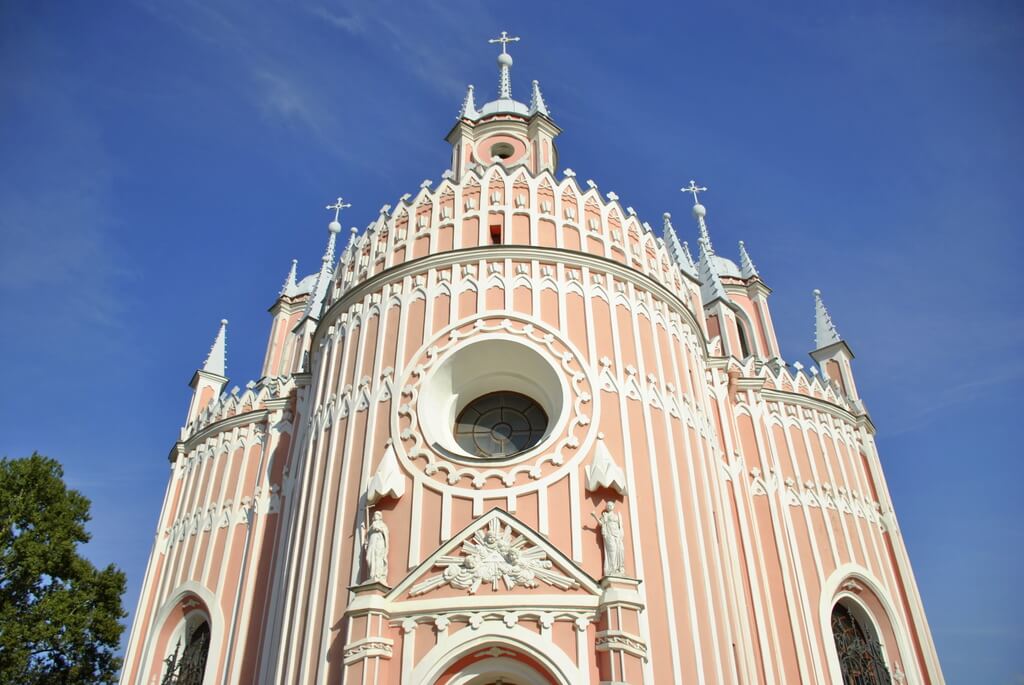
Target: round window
(502,150)
(500,424)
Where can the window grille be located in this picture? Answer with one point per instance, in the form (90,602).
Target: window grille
(860,655)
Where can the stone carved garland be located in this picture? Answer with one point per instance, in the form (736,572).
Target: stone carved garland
(414,451)
(494,556)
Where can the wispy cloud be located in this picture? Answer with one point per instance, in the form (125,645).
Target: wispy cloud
(351,23)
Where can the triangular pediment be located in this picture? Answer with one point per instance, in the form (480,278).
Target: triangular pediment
(495,553)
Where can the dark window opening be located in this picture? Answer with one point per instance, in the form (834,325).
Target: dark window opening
(860,654)
(500,424)
(502,150)
(744,346)
(496,234)
(187,667)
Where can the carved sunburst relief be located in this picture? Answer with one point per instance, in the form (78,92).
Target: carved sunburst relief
(497,557)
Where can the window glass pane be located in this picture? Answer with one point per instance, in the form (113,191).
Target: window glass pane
(500,424)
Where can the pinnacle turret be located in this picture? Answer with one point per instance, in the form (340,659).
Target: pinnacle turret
(679,251)
(290,287)
(468,109)
(217,360)
(537,104)
(747,268)
(825,332)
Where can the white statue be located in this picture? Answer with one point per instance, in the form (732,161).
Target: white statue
(375,542)
(614,536)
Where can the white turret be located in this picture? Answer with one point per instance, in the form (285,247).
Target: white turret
(825,332)
(209,381)
(537,104)
(468,109)
(832,354)
(290,287)
(747,268)
(680,252)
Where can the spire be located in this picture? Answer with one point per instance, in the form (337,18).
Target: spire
(468,109)
(290,285)
(689,257)
(680,254)
(217,361)
(825,332)
(537,104)
(711,288)
(504,66)
(323,277)
(747,268)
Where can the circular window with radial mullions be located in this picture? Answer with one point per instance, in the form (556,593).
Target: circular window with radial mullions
(500,424)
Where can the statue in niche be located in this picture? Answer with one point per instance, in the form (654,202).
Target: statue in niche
(614,540)
(375,543)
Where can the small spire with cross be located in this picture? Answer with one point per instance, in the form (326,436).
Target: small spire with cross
(694,189)
(504,65)
(504,39)
(338,205)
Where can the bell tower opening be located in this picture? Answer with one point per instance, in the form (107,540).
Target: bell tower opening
(502,151)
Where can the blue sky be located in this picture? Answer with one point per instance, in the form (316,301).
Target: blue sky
(164,162)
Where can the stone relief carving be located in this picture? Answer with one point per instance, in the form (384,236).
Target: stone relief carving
(494,556)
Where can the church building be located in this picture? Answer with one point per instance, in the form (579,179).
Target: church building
(511,433)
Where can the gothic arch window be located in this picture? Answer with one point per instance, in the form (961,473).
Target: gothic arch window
(187,663)
(860,652)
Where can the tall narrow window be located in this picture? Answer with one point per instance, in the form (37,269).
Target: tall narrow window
(496,234)
(186,667)
(744,346)
(860,654)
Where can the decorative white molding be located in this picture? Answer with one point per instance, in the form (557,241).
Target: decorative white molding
(603,472)
(366,647)
(607,640)
(388,481)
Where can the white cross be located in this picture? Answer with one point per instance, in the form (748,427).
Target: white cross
(694,189)
(504,40)
(337,207)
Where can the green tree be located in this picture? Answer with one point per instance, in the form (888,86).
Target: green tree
(59,614)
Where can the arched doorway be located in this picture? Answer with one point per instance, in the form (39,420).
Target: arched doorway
(492,654)
(860,653)
(480,668)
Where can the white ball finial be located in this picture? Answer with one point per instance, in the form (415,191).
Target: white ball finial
(504,59)
(334,227)
(223,322)
(816,292)
(699,211)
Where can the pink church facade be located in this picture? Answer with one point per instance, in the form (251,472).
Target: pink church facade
(512,434)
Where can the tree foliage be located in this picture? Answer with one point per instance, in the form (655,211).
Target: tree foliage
(59,614)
